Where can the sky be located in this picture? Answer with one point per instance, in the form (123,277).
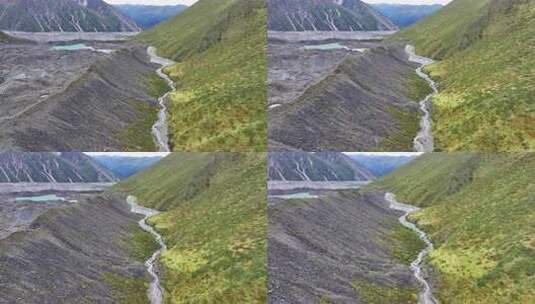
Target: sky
(409,1)
(152,2)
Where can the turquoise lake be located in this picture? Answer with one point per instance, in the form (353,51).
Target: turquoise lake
(40,198)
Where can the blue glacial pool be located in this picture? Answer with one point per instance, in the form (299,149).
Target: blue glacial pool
(40,198)
(295,195)
(72,47)
(327,46)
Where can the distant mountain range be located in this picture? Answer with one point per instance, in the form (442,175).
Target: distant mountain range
(404,15)
(66,167)
(147,16)
(124,167)
(63,16)
(325,15)
(381,165)
(322,166)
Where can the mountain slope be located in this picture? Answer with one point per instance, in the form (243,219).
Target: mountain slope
(485,73)
(72,252)
(220,46)
(368,103)
(108,105)
(404,15)
(324,166)
(217,250)
(479,213)
(62,15)
(325,15)
(70,167)
(340,247)
(147,16)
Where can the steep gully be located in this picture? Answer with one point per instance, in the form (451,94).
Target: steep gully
(160,129)
(426,295)
(423,142)
(154,292)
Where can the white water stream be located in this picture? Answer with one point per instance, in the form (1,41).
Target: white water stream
(154,293)
(423,142)
(160,129)
(426,295)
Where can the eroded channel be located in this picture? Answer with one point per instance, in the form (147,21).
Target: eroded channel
(423,142)
(160,129)
(426,295)
(155,291)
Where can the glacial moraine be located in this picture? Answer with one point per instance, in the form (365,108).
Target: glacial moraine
(155,291)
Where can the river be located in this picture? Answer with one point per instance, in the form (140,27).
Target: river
(426,295)
(423,142)
(155,291)
(160,129)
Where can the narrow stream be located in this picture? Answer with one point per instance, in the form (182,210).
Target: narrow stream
(154,292)
(160,129)
(423,142)
(426,295)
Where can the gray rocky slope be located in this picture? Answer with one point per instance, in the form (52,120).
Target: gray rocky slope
(334,249)
(69,252)
(75,101)
(359,103)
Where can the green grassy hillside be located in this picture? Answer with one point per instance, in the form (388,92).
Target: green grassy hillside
(214,223)
(485,73)
(479,213)
(221,74)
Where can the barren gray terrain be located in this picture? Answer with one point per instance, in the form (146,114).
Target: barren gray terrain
(56,100)
(65,251)
(324,248)
(349,98)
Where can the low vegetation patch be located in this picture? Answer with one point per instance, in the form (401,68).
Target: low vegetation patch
(221,75)
(374,293)
(485,74)
(406,245)
(217,248)
(479,215)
